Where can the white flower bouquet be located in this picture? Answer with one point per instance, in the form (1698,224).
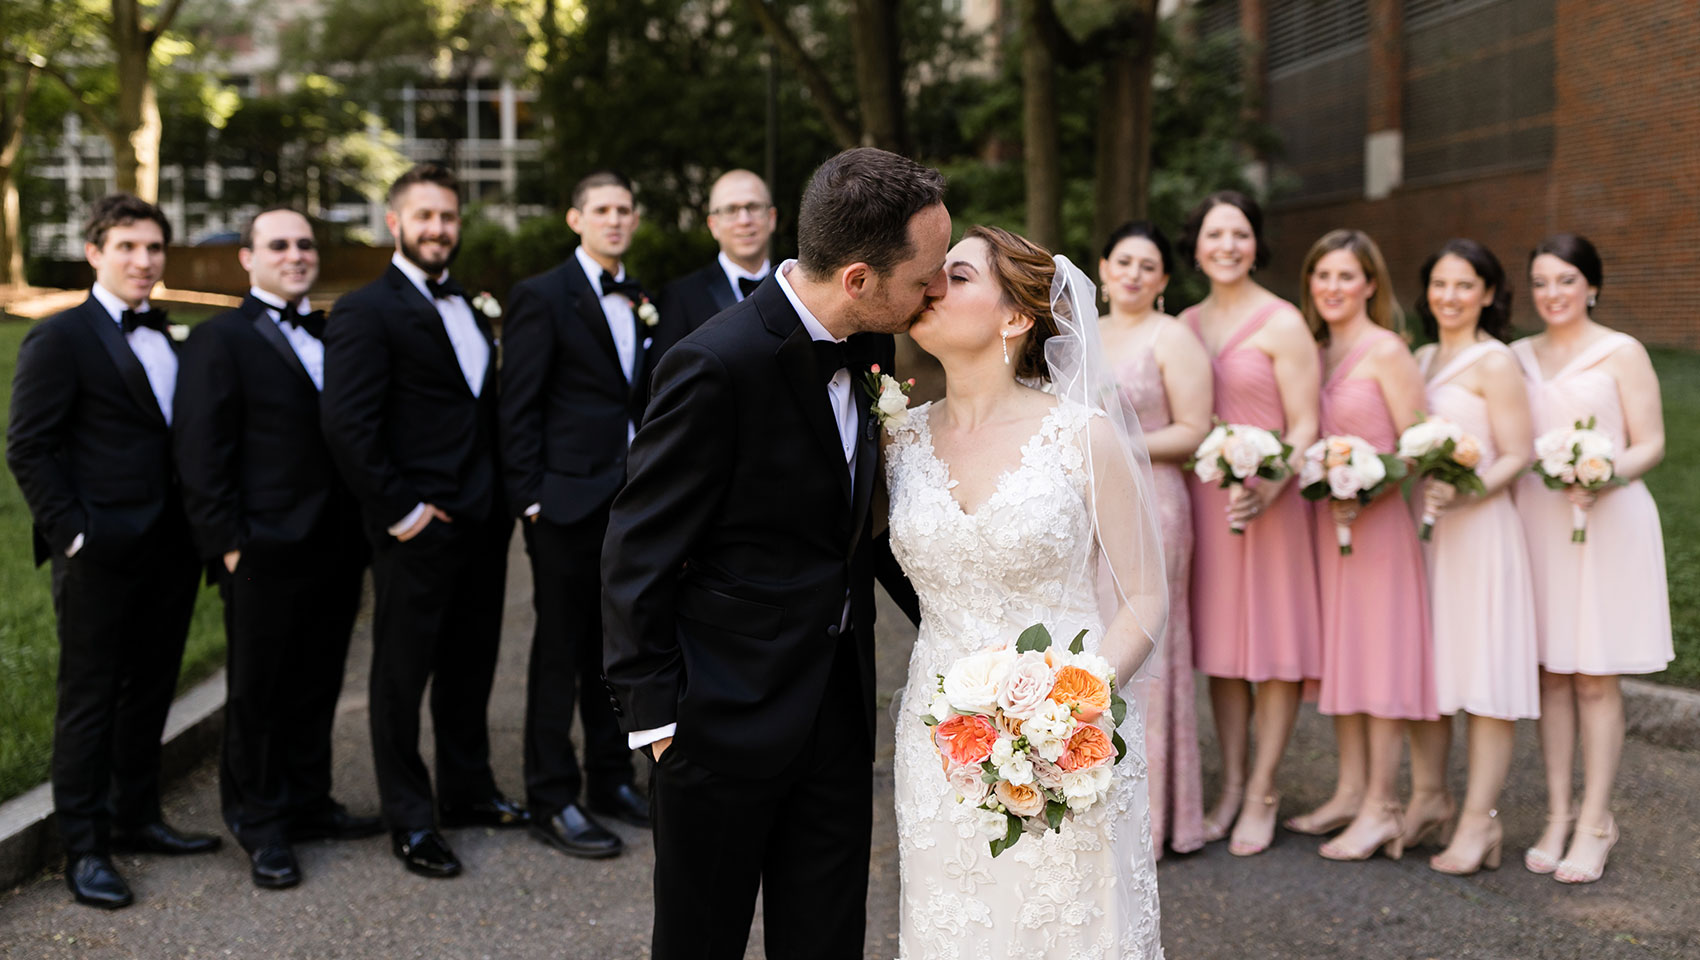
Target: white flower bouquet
(1579,457)
(1027,735)
(1344,467)
(1233,453)
(1437,448)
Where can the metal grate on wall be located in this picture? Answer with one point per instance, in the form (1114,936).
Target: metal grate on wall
(1316,95)
(1303,32)
(1216,17)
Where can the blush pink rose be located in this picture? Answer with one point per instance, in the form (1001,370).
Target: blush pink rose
(1027,686)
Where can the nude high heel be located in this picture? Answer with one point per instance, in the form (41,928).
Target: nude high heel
(1244,848)
(1570,872)
(1392,844)
(1536,860)
(1489,859)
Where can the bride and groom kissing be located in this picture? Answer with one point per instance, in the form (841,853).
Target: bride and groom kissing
(738,579)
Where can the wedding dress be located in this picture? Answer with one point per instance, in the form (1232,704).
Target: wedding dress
(1089,891)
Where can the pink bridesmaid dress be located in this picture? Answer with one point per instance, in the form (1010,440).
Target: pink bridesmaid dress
(1376,653)
(1602,606)
(1171,722)
(1254,595)
(1482,596)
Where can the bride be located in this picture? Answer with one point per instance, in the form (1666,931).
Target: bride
(1012,506)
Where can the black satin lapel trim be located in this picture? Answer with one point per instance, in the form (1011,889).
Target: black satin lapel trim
(867,442)
(433,319)
(129,366)
(269,332)
(720,290)
(797,362)
(589,307)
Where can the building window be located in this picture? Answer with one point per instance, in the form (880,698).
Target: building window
(1316,96)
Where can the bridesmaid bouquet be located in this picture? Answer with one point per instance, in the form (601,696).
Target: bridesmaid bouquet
(1027,735)
(1440,449)
(1233,453)
(1344,467)
(1579,457)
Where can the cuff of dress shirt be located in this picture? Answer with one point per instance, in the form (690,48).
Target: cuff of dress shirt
(639,739)
(534,509)
(400,526)
(76,544)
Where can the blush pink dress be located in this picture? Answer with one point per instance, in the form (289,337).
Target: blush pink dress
(1376,653)
(1171,721)
(1254,595)
(1602,606)
(1482,601)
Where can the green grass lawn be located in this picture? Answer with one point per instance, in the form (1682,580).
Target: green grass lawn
(1679,507)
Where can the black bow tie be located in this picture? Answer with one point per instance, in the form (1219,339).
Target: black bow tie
(313,321)
(630,289)
(829,358)
(152,319)
(748,285)
(448,288)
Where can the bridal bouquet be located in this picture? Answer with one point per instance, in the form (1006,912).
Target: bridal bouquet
(1580,457)
(1027,735)
(1233,453)
(1344,467)
(1438,448)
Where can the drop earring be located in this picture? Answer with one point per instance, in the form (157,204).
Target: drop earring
(1006,348)
(1160,304)
(1104,295)
(1591,299)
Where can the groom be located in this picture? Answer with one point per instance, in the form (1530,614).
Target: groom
(738,571)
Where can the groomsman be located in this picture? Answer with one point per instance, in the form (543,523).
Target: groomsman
(574,384)
(90,444)
(281,533)
(410,414)
(741,216)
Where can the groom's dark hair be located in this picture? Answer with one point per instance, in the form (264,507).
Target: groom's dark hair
(857,208)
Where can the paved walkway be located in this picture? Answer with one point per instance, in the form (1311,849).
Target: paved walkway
(521,900)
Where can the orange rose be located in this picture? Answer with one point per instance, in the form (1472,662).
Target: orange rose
(965,738)
(1023,801)
(1467,452)
(1011,726)
(1081,691)
(1088,748)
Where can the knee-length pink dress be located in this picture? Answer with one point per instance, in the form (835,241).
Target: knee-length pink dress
(1602,607)
(1376,652)
(1254,595)
(1481,595)
(1171,721)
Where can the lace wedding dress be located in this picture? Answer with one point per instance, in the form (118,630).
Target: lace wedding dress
(1091,890)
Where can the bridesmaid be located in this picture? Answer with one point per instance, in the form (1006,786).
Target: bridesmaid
(1377,666)
(1165,376)
(1254,610)
(1601,607)
(1481,600)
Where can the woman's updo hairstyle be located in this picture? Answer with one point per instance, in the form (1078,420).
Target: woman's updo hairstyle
(1574,249)
(1188,245)
(1495,320)
(1023,270)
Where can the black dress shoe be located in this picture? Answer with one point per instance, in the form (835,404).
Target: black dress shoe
(94,881)
(425,852)
(497,811)
(159,837)
(574,832)
(624,803)
(273,866)
(335,823)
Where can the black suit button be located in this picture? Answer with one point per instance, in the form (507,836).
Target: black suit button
(832,631)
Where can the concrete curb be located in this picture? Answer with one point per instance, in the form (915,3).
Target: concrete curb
(28,838)
(1667,716)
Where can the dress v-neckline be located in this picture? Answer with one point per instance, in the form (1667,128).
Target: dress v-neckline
(1592,354)
(998,487)
(1240,333)
(1455,365)
(1353,357)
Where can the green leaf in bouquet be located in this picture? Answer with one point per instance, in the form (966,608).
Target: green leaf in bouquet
(1054,812)
(1120,745)
(1034,638)
(1010,836)
(988,771)
(1078,645)
(1118,708)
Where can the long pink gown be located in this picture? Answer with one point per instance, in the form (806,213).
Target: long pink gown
(1171,722)
(1376,653)
(1482,601)
(1254,595)
(1602,606)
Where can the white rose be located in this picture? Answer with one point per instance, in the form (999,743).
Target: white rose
(1242,456)
(1018,770)
(1102,774)
(1208,470)
(1003,751)
(894,406)
(177,331)
(1369,467)
(991,824)
(1095,665)
(1553,446)
(1080,789)
(1028,684)
(1211,445)
(1266,443)
(648,314)
(1047,731)
(939,709)
(1418,440)
(1343,483)
(1592,443)
(968,783)
(1556,465)
(972,684)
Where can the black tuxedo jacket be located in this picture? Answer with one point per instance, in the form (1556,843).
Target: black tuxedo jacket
(403,426)
(688,302)
(566,404)
(88,442)
(735,539)
(257,475)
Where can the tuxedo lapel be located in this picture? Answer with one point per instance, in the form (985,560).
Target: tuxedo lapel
(111,337)
(867,436)
(796,358)
(432,318)
(589,306)
(720,289)
(268,330)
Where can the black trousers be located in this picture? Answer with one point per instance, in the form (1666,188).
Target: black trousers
(437,620)
(802,838)
(288,644)
(121,634)
(566,667)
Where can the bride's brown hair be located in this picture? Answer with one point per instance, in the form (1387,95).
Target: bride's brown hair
(1024,271)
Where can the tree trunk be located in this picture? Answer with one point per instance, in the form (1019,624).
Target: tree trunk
(879,73)
(1124,123)
(11,210)
(137,130)
(1042,150)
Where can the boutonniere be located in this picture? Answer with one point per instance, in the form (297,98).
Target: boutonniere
(486,304)
(177,331)
(647,313)
(890,397)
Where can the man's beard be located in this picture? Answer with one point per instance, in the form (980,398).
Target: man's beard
(410,250)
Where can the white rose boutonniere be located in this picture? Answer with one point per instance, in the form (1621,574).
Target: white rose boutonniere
(890,396)
(177,331)
(647,313)
(486,304)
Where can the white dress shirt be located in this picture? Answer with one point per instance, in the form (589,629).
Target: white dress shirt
(621,320)
(306,346)
(472,351)
(843,401)
(733,272)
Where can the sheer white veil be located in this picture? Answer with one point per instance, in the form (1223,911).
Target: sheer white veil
(1129,578)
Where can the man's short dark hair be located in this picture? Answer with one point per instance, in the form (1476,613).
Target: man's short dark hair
(857,208)
(434,173)
(121,210)
(247,242)
(600,178)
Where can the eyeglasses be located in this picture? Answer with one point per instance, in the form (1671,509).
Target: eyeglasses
(302,244)
(733,211)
